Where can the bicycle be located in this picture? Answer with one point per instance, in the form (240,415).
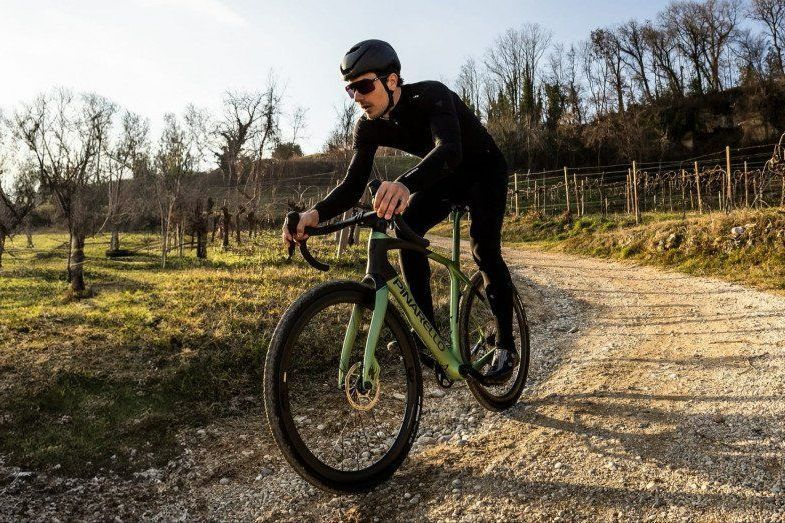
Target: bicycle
(318,365)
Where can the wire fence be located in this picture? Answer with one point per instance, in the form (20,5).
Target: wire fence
(733,178)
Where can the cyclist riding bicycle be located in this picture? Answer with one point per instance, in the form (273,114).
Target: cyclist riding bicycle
(460,163)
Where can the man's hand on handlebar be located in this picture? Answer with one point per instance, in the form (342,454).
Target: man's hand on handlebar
(307,219)
(391,198)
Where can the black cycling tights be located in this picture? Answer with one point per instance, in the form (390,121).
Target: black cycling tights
(487,201)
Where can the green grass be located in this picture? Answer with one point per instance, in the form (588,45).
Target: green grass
(109,380)
(696,244)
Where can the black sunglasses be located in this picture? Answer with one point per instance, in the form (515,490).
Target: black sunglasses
(364,86)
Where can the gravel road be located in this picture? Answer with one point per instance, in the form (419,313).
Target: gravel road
(653,396)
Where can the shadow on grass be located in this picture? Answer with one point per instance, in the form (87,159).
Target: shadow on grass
(84,420)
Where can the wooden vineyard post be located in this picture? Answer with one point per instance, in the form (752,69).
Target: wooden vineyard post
(536,197)
(629,191)
(577,198)
(338,232)
(728,183)
(604,209)
(567,188)
(517,202)
(343,238)
(698,188)
(635,203)
(746,186)
(583,207)
(683,188)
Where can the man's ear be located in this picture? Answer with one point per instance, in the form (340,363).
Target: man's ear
(392,84)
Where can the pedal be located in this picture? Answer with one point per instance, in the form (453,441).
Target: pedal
(441,378)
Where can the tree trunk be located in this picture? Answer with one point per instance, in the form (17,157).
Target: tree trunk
(164,241)
(29,234)
(114,243)
(251,224)
(215,228)
(201,225)
(201,244)
(357,234)
(239,227)
(77,260)
(227,220)
(180,237)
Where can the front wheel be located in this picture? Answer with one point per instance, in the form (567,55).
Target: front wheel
(478,335)
(338,432)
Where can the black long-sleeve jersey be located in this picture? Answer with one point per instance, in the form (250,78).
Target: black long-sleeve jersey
(429,121)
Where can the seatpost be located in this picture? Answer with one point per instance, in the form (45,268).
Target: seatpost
(456,235)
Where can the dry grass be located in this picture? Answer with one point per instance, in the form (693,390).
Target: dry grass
(702,245)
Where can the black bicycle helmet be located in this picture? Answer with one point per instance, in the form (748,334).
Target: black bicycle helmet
(367,56)
(372,56)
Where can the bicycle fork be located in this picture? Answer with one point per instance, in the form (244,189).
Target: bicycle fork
(370,364)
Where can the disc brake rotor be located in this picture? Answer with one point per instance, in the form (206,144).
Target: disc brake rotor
(357,399)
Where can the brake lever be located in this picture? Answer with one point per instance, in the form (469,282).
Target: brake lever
(292,219)
(313,262)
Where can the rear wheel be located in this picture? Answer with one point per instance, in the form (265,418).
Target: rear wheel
(478,335)
(347,436)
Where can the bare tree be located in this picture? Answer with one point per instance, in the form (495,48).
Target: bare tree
(751,56)
(469,84)
(242,112)
(719,20)
(174,160)
(64,134)
(635,54)
(513,63)
(297,122)
(664,46)
(18,200)
(15,205)
(250,124)
(341,136)
(122,159)
(605,45)
(682,21)
(772,14)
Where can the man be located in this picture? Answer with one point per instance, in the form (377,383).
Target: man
(460,162)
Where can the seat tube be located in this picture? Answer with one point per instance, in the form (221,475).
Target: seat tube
(456,235)
(454,284)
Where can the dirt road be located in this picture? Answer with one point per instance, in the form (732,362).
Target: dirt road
(652,396)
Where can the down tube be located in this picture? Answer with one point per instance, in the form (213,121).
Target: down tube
(424,329)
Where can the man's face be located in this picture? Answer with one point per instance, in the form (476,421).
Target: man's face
(374,103)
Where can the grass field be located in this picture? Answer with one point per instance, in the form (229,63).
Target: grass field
(107,381)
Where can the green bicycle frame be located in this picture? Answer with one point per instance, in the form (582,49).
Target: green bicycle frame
(448,356)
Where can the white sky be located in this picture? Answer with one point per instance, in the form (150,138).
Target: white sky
(156,56)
